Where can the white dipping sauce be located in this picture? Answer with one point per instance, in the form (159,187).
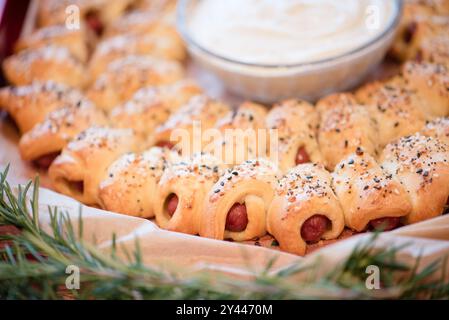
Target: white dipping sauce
(273,32)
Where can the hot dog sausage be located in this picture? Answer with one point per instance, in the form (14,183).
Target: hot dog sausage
(385,224)
(45,161)
(302,156)
(314,227)
(237,218)
(172,204)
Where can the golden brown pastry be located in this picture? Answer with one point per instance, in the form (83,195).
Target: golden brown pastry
(242,134)
(345,127)
(421,164)
(76,41)
(182,190)
(151,107)
(96,13)
(184,129)
(396,109)
(435,50)
(125,76)
(431,83)
(237,205)
(304,209)
(43,64)
(169,47)
(296,123)
(83,163)
(43,143)
(131,183)
(30,104)
(368,196)
(437,128)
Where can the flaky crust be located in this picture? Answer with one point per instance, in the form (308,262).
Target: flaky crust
(366,192)
(59,128)
(76,41)
(42,64)
(396,109)
(190,180)
(303,192)
(124,77)
(30,104)
(243,134)
(181,127)
(437,128)
(421,164)
(168,47)
(83,163)
(296,123)
(150,107)
(431,83)
(131,183)
(345,127)
(252,184)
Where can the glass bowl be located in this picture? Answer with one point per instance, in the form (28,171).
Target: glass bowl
(272,83)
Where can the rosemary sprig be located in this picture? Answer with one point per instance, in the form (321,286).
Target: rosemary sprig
(106,276)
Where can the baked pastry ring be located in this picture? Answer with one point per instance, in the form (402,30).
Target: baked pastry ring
(151,107)
(368,195)
(83,163)
(181,130)
(437,128)
(125,76)
(44,142)
(431,83)
(296,123)
(421,164)
(236,206)
(42,64)
(182,190)
(345,127)
(243,134)
(304,209)
(164,47)
(30,104)
(76,40)
(131,183)
(396,109)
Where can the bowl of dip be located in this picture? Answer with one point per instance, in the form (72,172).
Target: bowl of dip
(269,50)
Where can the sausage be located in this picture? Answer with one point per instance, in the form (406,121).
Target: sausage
(45,161)
(385,224)
(237,218)
(77,185)
(165,144)
(410,32)
(172,204)
(302,156)
(314,227)
(94,23)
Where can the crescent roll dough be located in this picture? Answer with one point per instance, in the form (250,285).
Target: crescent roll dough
(131,183)
(182,190)
(237,204)
(124,77)
(438,128)
(83,163)
(42,64)
(367,194)
(421,164)
(431,83)
(304,209)
(243,134)
(151,107)
(165,47)
(296,123)
(396,109)
(30,104)
(46,140)
(346,126)
(182,129)
(75,40)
